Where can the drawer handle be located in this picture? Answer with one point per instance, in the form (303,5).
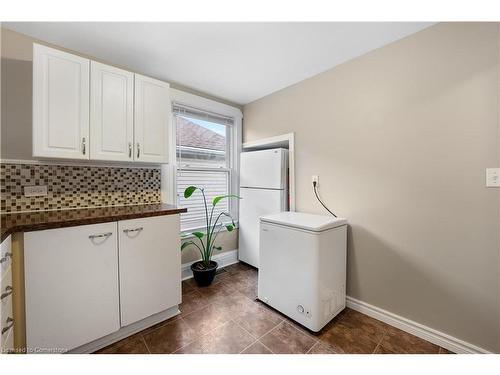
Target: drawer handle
(133,230)
(138,150)
(10,323)
(83,146)
(92,236)
(5,258)
(8,292)
(129,150)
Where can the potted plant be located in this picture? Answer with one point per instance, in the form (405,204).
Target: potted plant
(204,270)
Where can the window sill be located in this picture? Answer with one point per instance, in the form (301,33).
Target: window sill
(202,229)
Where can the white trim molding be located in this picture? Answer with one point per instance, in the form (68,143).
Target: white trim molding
(271,142)
(223,259)
(209,105)
(169,172)
(436,337)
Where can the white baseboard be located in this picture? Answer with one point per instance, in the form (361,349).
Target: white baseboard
(223,259)
(436,337)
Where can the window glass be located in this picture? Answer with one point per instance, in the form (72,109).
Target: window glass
(202,150)
(200,143)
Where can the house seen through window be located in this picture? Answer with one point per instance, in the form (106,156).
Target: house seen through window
(203,160)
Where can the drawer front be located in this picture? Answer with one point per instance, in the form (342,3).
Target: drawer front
(6,301)
(7,342)
(6,315)
(6,279)
(5,256)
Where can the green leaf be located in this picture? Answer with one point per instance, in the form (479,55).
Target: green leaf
(218,247)
(199,235)
(218,198)
(189,191)
(230,227)
(185,244)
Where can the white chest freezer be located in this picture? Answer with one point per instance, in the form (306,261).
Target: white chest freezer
(302,269)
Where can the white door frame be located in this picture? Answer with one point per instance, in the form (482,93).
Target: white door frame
(286,141)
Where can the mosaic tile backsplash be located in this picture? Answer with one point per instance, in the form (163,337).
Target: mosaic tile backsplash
(77,186)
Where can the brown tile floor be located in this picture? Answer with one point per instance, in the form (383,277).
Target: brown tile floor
(227,318)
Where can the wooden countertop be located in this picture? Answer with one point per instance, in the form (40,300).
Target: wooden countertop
(31,221)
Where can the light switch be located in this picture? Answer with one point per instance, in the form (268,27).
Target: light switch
(35,191)
(493,177)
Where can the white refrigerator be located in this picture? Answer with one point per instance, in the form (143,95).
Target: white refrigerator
(264,191)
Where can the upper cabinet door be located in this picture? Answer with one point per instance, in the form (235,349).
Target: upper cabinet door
(152,119)
(60,104)
(111,113)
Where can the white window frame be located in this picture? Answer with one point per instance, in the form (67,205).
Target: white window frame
(169,171)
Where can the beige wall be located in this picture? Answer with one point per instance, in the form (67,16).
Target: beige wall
(400,139)
(227,240)
(1,91)
(16,96)
(16,110)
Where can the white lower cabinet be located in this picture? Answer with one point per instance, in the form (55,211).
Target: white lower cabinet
(71,286)
(150,266)
(86,282)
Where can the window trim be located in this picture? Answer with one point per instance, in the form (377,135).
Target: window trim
(169,171)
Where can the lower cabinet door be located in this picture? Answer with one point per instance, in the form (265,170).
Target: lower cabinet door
(150,266)
(71,283)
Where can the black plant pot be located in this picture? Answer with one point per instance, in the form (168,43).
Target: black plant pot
(204,275)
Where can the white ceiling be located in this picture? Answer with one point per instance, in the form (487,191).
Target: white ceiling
(239,62)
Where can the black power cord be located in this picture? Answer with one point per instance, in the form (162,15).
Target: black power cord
(319,199)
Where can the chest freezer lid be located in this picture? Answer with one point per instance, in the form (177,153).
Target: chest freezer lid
(300,220)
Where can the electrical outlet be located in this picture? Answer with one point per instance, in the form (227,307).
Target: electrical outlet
(493,177)
(315,178)
(35,191)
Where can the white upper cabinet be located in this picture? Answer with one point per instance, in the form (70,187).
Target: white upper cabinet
(83,109)
(60,104)
(152,114)
(111,113)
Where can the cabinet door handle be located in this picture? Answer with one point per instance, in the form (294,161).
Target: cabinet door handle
(138,150)
(10,323)
(92,236)
(129,150)
(83,146)
(8,292)
(133,230)
(5,258)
